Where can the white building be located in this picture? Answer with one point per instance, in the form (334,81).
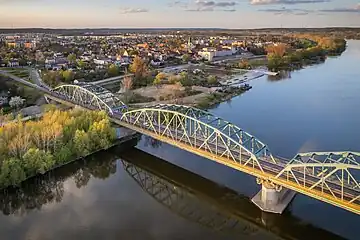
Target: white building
(210,53)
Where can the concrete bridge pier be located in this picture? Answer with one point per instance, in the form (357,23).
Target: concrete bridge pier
(272,198)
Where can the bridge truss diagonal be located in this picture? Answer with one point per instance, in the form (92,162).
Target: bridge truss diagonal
(330,177)
(327,173)
(90,96)
(200,131)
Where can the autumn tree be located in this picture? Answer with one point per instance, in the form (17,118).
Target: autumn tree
(140,70)
(27,148)
(244,64)
(127,83)
(160,77)
(276,50)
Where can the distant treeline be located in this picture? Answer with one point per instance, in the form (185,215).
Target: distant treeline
(345,32)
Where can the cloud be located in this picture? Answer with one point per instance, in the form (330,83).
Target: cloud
(284,11)
(355,9)
(269,2)
(205,6)
(133,10)
(203,3)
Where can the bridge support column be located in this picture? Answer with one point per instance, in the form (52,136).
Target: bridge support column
(272,198)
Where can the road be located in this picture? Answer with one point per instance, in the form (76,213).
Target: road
(112,79)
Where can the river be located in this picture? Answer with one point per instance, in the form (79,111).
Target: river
(155,191)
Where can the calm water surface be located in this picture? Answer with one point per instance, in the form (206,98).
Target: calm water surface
(133,194)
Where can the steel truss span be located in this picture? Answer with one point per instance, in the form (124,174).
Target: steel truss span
(90,96)
(329,177)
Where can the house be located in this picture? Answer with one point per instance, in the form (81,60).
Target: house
(100,61)
(13,63)
(156,62)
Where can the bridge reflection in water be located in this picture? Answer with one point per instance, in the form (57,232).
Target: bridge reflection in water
(202,201)
(188,195)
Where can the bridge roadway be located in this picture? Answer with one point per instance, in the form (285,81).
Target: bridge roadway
(338,193)
(269,168)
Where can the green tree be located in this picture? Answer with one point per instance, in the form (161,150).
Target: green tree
(63,154)
(81,64)
(185,79)
(71,58)
(186,58)
(68,76)
(37,161)
(82,143)
(12,172)
(113,70)
(212,80)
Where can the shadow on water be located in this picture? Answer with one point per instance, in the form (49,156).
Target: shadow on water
(200,200)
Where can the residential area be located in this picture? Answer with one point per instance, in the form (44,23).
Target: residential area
(164,67)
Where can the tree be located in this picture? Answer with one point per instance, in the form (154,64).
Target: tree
(68,76)
(39,56)
(157,81)
(12,172)
(244,64)
(81,64)
(127,83)
(113,70)
(186,57)
(140,70)
(212,80)
(71,58)
(160,77)
(82,143)
(16,102)
(37,161)
(276,50)
(185,79)
(174,79)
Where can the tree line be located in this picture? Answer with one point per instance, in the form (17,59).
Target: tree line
(313,48)
(33,147)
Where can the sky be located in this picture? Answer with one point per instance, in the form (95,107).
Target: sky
(235,14)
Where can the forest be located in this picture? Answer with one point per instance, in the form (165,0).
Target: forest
(59,137)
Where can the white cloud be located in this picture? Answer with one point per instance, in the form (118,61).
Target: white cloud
(133,10)
(268,2)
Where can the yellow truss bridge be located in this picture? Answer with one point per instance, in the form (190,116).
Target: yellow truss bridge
(331,177)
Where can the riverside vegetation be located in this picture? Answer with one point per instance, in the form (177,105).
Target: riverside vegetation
(310,49)
(34,147)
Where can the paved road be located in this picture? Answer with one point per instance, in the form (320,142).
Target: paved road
(112,79)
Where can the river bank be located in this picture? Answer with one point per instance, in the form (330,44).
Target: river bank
(120,143)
